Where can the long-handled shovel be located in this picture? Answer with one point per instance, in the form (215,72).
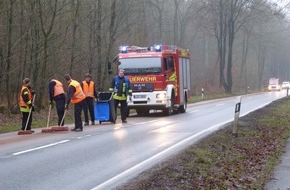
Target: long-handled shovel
(28,132)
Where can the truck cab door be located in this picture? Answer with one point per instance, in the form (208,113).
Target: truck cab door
(169,70)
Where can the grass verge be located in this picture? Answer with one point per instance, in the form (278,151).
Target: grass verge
(39,120)
(222,161)
(194,99)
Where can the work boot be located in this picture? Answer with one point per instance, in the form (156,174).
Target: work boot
(93,123)
(86,124)
(124,121)
(78,130)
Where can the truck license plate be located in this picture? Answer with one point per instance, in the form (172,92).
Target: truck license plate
(139,96)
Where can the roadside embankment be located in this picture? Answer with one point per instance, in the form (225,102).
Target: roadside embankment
(223,161)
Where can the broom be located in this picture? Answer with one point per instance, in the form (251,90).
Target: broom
(28,132)
(60,128)
(48,118)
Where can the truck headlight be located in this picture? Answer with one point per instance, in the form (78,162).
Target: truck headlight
(160,96)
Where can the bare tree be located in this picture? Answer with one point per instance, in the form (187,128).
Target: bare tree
(232,15)
(245,50)
(157,15)
(73,46)
(112,39)
(99,40)
(46,31)
(10,21)
(43,38)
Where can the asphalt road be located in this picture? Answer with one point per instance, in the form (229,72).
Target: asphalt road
(106,155)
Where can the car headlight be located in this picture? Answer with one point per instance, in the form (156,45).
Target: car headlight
(160,96)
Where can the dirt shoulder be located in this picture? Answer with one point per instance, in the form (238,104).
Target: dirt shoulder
(222,161)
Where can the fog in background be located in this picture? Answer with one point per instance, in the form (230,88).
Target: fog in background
(234,44)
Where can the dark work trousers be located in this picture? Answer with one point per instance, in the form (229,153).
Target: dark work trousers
(60,107)
(123,108)
(24,120)
(89,106)
(78,115)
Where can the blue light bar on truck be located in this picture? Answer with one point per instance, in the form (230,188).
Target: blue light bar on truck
(123,49)
(158,48)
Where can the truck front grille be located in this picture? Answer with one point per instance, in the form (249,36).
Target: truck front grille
(139,102)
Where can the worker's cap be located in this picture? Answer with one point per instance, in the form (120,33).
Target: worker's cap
(67,77)
(26,81)
(88,75)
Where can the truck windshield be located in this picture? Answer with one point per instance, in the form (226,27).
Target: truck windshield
(273,81)
(143,65)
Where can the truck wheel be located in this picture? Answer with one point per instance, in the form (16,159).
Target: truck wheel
(169,111)
(182,108)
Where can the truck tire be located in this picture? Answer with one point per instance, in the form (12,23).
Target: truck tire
(169,111)
(182,108)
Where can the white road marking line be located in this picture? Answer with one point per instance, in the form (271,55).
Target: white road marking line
(193,111)
(40,147)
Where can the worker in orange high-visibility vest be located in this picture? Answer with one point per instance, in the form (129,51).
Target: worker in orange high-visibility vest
(89,89)
(26,104)
(56,93)
(76,96)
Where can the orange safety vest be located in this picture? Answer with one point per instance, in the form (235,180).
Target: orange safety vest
(21,101)
(58,88)
(79,94)
(88,89)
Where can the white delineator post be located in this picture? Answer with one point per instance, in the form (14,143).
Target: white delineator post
(237,115)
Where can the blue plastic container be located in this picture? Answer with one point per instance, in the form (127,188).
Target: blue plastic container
(104,108)
(102,111)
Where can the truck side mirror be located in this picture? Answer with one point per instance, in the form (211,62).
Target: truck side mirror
(110,68)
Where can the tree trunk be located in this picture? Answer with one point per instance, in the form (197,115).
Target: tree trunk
(245,49)
(46,34)
(99,42)
(175,22)
(231,36)
(73,46)
(1,71)
(112,33)
(9,53)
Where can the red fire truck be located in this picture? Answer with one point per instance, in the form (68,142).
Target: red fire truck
(159,76)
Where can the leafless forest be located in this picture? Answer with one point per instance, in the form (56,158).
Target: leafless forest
(233,43)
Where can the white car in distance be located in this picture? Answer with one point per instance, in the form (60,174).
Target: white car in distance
(285,85)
